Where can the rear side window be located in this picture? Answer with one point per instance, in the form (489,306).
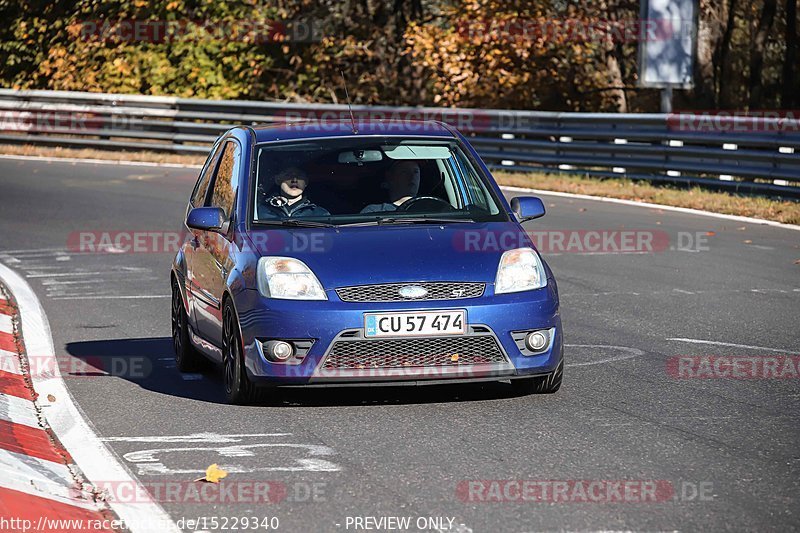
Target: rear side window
(201,189)
(226,180)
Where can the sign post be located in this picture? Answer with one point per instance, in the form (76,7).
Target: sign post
(667,46)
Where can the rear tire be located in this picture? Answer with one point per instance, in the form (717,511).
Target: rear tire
(547,384)
(238,388)
(187,358)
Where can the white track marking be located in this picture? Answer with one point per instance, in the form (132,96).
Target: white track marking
(19,411)
(628,353)
(504,187)
(194,437)
(9,362)
(303,465)
(124,271)
(64,279)
(6,323)
(35,274)
(38,477)
(150,462)
(675,292)
(96,161)
(113,297)
(55,283)
(31,250)
(66,420)
(35,253)
(648,205)
(745,346)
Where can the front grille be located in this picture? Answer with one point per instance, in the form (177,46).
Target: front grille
(426,352)
(390,292)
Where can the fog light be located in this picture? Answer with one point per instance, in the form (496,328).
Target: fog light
(536,341)
(278,350)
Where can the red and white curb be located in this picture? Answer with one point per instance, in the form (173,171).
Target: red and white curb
(48,452)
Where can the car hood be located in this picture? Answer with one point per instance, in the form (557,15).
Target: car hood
(346,256)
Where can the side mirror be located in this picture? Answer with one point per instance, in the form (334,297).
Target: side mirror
(527,207)
(206,218)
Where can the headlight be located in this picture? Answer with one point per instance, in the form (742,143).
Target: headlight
(287,278)
(520,270)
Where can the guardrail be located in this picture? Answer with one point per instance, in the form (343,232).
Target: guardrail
(753,154)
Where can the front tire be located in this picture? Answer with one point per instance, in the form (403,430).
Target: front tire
(547,384)
(187,358)
(238,388)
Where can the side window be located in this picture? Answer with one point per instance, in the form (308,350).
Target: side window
(201,189)
(226,180)
(476,190)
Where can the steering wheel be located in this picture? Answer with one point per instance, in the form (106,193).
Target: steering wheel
(425,203)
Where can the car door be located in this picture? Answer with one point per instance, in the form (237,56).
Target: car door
(190,243)
(211,260)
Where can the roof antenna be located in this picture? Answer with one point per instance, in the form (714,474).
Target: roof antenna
(352,118)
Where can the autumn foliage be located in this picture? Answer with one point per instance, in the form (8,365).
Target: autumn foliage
(544,54)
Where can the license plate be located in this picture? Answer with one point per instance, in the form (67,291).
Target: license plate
(416,323)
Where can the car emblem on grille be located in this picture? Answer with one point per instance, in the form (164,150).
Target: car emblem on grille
(413,291)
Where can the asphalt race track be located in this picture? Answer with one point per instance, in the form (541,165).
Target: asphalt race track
(724,452)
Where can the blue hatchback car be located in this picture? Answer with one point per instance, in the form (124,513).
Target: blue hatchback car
(322,254)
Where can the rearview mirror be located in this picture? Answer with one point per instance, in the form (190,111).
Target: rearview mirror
(206,218)
(360,157)
(527,207)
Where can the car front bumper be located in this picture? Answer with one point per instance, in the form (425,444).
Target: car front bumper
(491,318)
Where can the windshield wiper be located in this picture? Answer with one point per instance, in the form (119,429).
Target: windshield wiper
(296,222)
(422,220)
(411,220)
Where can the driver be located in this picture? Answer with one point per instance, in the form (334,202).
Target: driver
(289,201)
(402,180)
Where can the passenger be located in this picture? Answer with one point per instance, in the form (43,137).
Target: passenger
(288,201)
(402,180)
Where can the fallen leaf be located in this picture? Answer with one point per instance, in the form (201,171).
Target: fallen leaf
(711,233)
(213,474)
(582,209)
(797,262)
(51,398)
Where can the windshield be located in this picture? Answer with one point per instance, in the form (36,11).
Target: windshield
(369,181)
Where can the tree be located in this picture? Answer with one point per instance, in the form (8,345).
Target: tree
(755,84)
(789,89)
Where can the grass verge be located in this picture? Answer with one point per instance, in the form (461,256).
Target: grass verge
(92,153)
(785,211)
